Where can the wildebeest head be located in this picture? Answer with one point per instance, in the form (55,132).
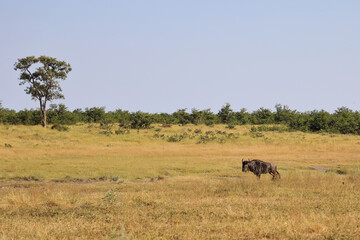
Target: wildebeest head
(245,166)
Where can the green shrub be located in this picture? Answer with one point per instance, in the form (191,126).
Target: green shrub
(60,127)
(197,131)
(262,116)
(107,128)
(226,114)
(8,145)
(111,196)
(203,139)
(231,125)
(140,120)
(156,135)
(254,133)
(182,116)
(175,138)
(122,131)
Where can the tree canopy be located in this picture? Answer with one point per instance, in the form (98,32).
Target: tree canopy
(41,76)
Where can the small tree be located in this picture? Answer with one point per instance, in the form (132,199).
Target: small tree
(226,114)
(43,81)
(243,117)
(140,120)
(263,116)
(283,114)
(182,116)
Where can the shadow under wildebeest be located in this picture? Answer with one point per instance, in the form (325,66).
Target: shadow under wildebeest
(259,167)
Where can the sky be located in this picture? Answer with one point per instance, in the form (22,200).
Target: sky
(161,56)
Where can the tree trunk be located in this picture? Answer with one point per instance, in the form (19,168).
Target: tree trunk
(43,112)
(44,118)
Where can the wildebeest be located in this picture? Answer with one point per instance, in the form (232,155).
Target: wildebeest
(259,167)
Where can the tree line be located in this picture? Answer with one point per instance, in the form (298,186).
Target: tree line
(42,75)
(343,120)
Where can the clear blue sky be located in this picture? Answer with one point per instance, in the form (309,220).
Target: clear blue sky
(160,56)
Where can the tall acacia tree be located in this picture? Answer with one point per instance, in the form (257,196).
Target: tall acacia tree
(42,75)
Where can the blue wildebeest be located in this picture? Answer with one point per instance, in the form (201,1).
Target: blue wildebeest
(259,167)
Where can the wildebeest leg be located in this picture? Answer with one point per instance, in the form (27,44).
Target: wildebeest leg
(273,175)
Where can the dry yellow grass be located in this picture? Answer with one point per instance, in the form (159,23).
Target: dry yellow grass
(83,184)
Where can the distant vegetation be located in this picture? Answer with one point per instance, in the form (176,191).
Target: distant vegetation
(343,120)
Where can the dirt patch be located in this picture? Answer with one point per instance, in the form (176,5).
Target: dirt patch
(151,180)
(317,168)
(80,181)
(229,176)
(23,182)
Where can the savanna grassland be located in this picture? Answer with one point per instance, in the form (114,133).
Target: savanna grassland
(178,182)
